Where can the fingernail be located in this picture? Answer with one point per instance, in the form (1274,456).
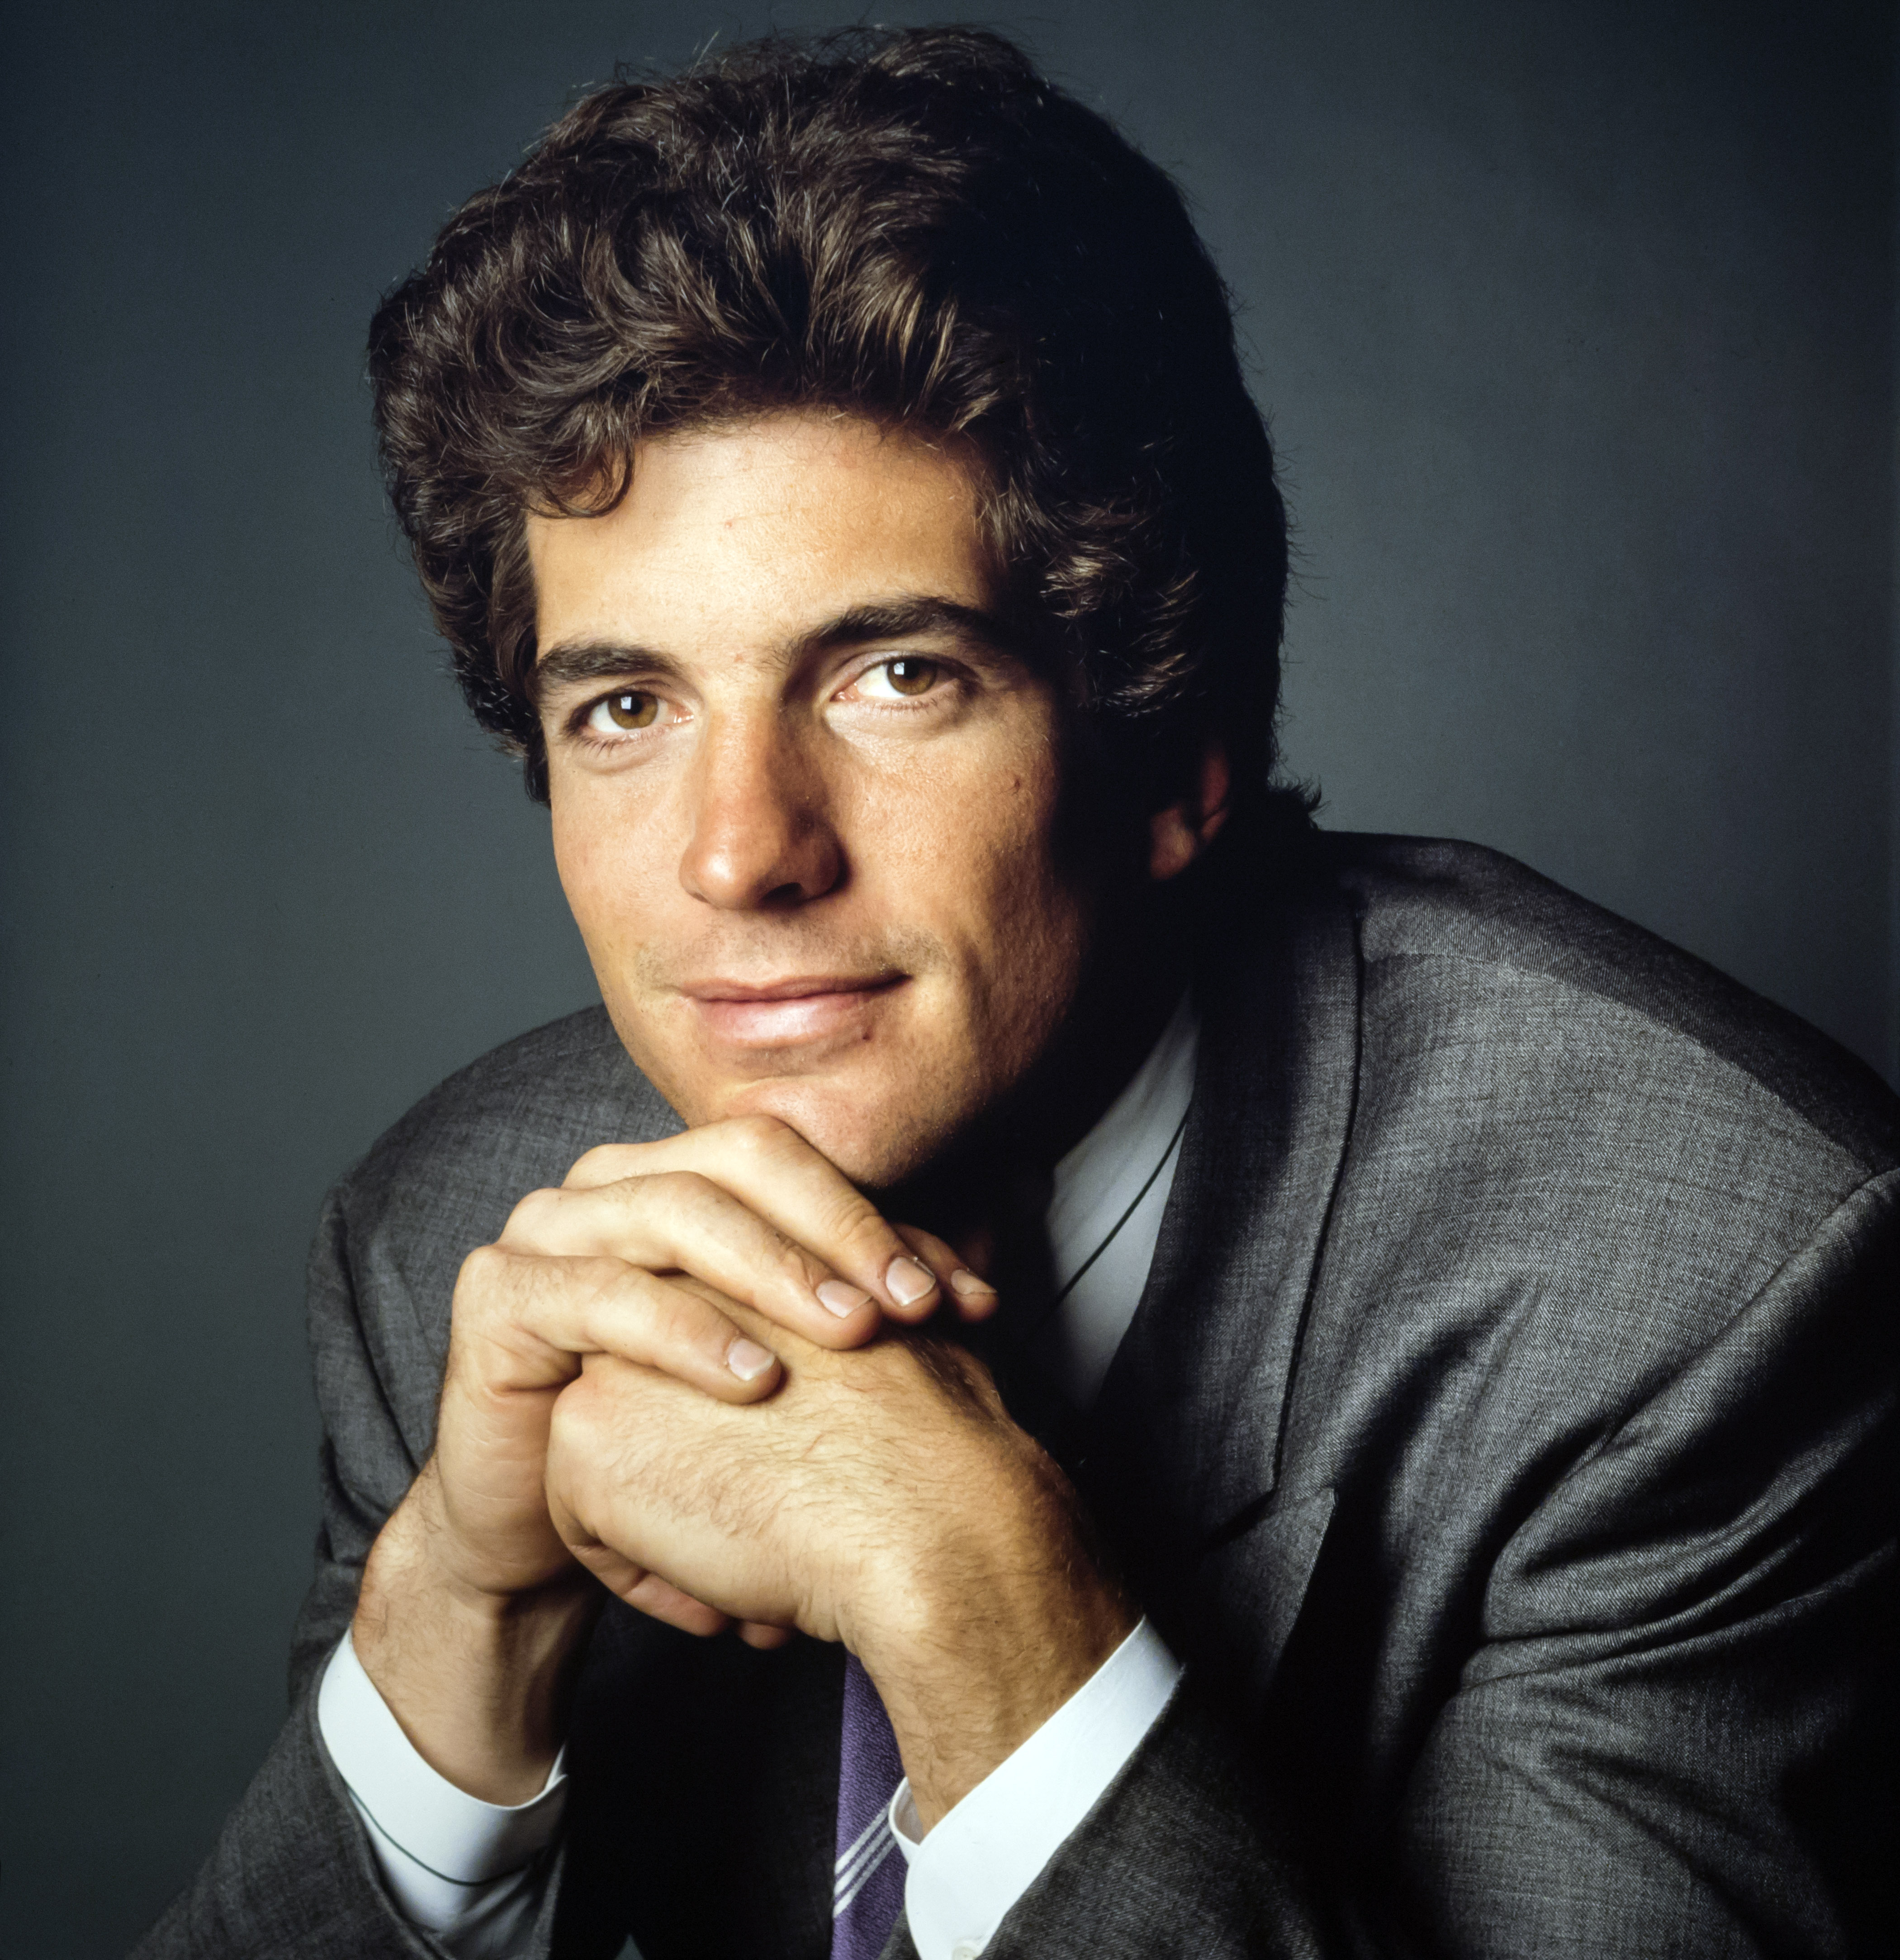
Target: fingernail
(747,1360)
(966,1285)
(841,1297)
(908,1281)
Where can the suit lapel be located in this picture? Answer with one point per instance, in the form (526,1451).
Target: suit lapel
(1183,1459)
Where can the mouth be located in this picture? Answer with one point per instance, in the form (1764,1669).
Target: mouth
(782,1013)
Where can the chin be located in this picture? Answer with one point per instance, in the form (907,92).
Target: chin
(875,1140)
(882,1113)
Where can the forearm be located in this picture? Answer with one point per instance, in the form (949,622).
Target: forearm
(477,1678)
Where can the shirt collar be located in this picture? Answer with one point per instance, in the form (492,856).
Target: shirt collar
(1100,1178)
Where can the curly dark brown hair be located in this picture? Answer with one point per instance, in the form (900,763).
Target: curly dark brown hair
(913,225)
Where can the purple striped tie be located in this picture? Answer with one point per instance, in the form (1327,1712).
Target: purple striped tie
(868,1886)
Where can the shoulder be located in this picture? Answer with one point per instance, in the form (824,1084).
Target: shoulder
(1577,1163)
(1564,1128)
(1476,969)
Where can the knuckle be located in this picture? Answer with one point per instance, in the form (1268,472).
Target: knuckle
(684,1186)
(572,1409)
(572,1426)
(764,1137)
(531,1212)
(486,1274)
(597,1277)
(606,1163)
(682,1323)
(587,1406)
(669,1190)
(660,1201)
(483,1264)
(856,1223)
(792,1262)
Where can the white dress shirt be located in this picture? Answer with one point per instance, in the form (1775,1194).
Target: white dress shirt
(471,1874)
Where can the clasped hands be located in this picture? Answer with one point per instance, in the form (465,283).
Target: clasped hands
(691,1372)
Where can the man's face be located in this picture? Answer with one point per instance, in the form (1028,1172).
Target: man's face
(804,804)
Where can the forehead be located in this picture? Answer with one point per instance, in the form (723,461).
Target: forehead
(743,532)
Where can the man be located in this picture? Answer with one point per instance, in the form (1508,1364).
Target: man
(1070,1366)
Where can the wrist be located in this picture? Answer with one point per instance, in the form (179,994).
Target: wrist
(478,1677)
(974,1644)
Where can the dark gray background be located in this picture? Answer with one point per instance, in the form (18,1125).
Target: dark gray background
(1576,327)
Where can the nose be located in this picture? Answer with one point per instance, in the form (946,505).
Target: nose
(762,834)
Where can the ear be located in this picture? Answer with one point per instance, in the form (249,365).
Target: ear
(1178,834)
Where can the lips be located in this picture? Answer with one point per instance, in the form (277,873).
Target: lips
(784,1012)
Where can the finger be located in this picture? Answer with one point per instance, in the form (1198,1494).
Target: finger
(968,1291)
(756,1634)
(660,1599)
(682,1221)
(649,1593)
(773,1171)
(528,1314)
(645,1591)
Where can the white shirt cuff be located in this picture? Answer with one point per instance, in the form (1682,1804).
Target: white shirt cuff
(459,1868)
(987,1851)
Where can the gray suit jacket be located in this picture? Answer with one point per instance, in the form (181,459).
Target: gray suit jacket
(1506,1438)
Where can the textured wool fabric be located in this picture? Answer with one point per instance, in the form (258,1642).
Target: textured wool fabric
(1505,1439)
(868,1877)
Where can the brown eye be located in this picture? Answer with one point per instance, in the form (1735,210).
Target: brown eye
(911,677)
(629,710)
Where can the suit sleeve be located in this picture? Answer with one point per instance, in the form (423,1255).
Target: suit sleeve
(292,1875)
(1672,1730)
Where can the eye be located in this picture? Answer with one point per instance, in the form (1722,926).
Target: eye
(908,677)
(623,711)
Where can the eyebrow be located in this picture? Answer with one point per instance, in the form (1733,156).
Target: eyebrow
(575,664)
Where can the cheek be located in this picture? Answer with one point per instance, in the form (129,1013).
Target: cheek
(964,835)
(605,860)
(578,856)
(988,859)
